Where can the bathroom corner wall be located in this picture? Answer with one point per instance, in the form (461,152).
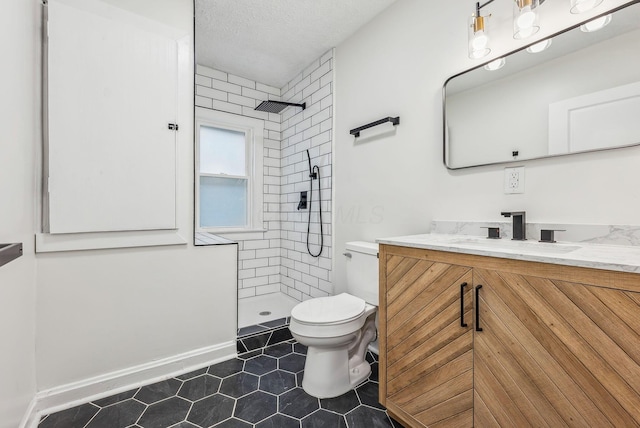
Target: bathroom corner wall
(277,260)
(19,86)
(259,252)
(304,276)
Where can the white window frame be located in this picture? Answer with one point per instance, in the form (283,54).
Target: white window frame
(254,138)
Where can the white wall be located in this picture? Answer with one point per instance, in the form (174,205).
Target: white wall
(396,184)
(18,119)
(103,311)
(70,316)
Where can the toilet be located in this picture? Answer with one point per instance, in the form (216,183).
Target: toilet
(338,329)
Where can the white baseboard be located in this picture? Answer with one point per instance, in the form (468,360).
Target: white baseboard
(30,419)
(76,393)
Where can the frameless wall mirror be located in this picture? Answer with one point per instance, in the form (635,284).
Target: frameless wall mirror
(580,94)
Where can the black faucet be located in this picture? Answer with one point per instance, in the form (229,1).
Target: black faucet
(519,224)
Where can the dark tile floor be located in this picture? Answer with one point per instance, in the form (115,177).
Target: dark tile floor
(260,389)
(262,335)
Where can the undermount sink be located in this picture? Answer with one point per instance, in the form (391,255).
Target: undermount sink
(509,245)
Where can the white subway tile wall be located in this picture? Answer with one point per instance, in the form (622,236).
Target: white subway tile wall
(277,260)
(304,276)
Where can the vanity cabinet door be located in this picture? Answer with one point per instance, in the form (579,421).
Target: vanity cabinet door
(554,353)
(427,361)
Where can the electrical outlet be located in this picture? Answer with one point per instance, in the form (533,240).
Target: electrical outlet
(514,180)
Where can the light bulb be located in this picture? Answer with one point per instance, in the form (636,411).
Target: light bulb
(596,24)
(480,41)
(580,6)
(526,18)
(540,46)
(495,64)
(478,47)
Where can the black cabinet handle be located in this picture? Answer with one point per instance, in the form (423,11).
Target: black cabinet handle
(478,328)
(462,323)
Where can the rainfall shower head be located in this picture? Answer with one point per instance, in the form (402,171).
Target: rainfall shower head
(277,106)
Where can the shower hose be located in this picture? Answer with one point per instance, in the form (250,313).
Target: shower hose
(314,174)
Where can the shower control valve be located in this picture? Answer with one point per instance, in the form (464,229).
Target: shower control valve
(302,205)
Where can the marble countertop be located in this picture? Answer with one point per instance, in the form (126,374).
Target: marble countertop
(597,256)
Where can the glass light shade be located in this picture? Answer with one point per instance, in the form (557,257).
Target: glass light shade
(596,24)
(496,64)
(478,37)
(540,46)
(579,6)
(525,18)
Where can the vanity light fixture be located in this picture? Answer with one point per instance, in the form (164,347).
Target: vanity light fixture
(540,46)
(478,36)
(580,6)
(496,64)
(525,18)
(596,24)
(525,24)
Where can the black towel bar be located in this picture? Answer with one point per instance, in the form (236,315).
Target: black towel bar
(9,252)
(394,120)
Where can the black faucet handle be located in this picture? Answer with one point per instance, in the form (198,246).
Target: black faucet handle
(546,235)
(492,232)
(512,213)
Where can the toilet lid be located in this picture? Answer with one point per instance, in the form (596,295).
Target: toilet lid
(325,310)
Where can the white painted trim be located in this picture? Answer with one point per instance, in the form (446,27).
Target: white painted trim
(46,243)
(30,418)
(254,130)
(76,393)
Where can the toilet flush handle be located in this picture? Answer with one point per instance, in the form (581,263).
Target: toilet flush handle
(347,255)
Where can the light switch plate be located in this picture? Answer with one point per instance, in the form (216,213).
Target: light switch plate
(514,180)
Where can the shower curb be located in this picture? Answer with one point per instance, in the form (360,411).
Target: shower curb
(257,337)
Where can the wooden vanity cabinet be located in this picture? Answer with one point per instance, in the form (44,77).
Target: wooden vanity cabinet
(551,345)
(428,358)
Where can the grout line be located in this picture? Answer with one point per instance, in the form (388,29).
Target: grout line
(94,416)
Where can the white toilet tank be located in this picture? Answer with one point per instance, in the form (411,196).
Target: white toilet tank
(362,270)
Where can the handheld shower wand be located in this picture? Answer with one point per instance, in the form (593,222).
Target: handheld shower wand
(314,174)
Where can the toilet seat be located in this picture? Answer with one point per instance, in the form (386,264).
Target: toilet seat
(330,317)
(329,310)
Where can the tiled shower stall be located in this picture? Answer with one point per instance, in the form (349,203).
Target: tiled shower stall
(277,261)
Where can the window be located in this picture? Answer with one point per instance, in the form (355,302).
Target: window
(224,178)
(228,172)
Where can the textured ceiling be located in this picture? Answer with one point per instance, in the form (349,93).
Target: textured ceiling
(270,41)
